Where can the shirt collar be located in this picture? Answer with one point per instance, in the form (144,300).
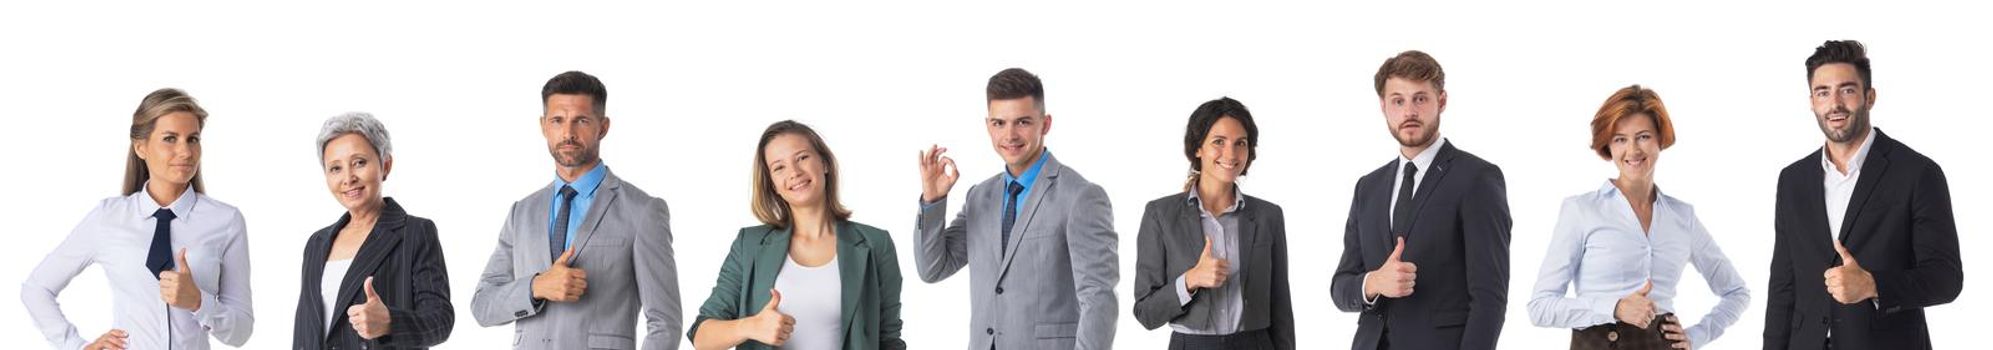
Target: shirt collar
(1030,175)
(1611,191)
(1424,158)
(586,184)
(1854,163)
(181,207)
(1238,200)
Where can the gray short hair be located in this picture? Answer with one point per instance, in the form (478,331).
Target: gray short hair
(360,123)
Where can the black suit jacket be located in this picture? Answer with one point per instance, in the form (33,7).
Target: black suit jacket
(1898,226)
(1169,243)
(1458,238)
(406,260)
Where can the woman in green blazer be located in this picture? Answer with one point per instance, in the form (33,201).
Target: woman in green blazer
(806,243)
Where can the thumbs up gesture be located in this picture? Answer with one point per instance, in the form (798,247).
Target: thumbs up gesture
(176,286)
(1849,283)
(369,319)
(1635,309)
(1394,279)
(1210,271)
(770,326)
(561,282)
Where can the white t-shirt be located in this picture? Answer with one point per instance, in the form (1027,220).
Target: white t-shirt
(328,289)
(814,296)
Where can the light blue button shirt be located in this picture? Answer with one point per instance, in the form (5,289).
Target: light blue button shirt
(584,195)
(1599,250)
(1029,177)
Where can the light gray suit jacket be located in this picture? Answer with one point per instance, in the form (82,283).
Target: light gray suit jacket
(1055,290)
(624,244)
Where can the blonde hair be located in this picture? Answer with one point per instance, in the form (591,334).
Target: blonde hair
(157,104)
(767,205)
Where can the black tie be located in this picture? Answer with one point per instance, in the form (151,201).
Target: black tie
(557,234)
(1009,212)
(160,258)
(1401,214)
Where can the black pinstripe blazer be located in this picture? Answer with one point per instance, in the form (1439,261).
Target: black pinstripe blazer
(406,260)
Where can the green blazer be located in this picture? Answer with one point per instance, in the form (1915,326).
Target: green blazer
(867,264)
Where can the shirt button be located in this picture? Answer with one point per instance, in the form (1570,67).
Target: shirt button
(999,290)
(989,330)
(1612,336)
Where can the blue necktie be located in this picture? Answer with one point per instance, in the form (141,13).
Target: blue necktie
(160,258)
(557,234)
(1010,212)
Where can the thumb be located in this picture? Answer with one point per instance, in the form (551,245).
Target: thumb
(774,299)
(1644,289)
(566,257)
(1847,258)
(1397,253)
(372,297)
(182,261)
(1207,249)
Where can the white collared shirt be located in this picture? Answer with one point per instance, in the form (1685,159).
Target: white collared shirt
(117,236)
(1840,188)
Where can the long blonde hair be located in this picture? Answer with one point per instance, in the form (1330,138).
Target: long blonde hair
(157,104)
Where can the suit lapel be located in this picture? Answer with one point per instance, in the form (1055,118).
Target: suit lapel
(374,252)
(1040,189)
(1248,238)
(1440,167)
(319,248)
(853,256)
(605,196)
(1813,214)
(768,264)
(538,210)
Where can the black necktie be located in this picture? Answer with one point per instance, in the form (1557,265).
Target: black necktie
(160,258)
(1010,212)
(557,234)
(1401,214)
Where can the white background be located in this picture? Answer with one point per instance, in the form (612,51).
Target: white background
(691,86)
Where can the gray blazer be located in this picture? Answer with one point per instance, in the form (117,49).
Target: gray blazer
(1055,290)
(1168,245)
(624,244)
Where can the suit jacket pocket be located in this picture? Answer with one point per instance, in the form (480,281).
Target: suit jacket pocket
(1056,336)
(1449,318)
(610,341)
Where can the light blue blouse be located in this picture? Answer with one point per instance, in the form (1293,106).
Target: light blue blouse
(1599,250)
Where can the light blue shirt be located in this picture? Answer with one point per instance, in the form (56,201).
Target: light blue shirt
(1599,250)
(1029,177)
(584,195)
(1229,299)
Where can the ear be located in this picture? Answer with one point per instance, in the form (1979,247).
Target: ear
(1442,102)
(605,128)
(1046,128)
(387,167)
(138,148)
(1871,98)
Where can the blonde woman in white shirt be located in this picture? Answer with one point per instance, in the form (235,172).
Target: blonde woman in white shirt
(1621,249)
(177,260)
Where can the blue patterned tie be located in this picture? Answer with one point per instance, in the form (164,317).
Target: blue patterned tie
(557,234)
(1010,212)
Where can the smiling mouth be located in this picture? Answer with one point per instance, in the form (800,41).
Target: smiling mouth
(800,185)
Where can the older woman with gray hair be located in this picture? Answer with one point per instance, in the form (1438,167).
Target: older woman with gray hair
(375,278)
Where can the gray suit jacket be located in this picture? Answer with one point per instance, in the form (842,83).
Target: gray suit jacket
(1055,290)
(624,244)
(1168,245)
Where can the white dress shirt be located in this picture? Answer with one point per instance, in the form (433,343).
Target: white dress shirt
(1841,187)
(814,296)
(1599,250)
(117,236)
